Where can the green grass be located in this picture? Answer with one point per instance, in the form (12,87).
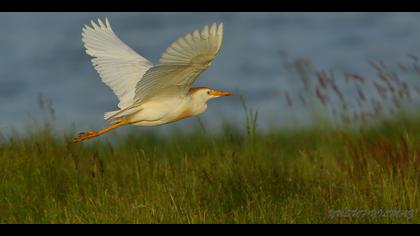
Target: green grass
(279,177)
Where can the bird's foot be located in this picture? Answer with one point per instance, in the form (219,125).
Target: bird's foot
(84,136)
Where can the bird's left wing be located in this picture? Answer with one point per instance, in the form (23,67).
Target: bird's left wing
(181,64)
(119,66)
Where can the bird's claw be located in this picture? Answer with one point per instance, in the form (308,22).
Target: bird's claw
(85,133)
(84,136)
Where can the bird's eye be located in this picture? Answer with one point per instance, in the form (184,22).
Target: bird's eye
(208,92)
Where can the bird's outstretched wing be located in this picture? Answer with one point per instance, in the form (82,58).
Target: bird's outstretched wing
(119,66)
(181,64)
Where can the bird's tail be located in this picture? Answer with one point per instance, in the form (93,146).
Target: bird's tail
(121,113)
(110,114)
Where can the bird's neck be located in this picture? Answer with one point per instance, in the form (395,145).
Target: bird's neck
(198,105)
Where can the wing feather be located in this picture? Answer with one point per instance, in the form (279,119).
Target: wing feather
(181,63)
(119,66)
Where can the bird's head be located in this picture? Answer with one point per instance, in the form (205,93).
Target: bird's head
(205,94)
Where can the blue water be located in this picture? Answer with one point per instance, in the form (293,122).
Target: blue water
(42,53)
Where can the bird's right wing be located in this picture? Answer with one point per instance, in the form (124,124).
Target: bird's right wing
(181,64)
(119,66)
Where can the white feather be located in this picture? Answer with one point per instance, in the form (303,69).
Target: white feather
(119,66)
(181,64)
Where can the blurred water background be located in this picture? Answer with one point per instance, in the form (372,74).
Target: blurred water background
(42,53)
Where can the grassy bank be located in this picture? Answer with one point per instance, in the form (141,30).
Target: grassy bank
(305,176)
(367,173)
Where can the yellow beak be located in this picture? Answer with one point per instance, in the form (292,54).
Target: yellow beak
(219,93)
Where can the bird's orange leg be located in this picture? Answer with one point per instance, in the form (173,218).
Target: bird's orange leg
(88,135)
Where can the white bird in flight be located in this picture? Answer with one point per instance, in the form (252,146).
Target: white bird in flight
(151,95)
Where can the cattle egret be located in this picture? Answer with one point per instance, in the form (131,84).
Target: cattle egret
(151,95)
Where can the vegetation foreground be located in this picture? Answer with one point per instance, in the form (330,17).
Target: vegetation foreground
(318,175)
